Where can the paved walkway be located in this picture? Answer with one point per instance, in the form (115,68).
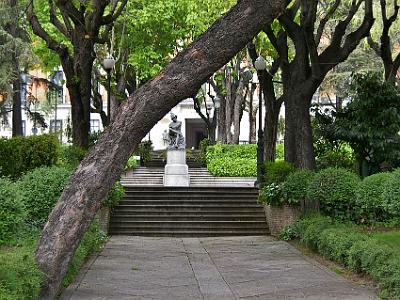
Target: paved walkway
(208,268)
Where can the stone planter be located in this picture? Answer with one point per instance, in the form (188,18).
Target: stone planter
(280,216)
(104,219)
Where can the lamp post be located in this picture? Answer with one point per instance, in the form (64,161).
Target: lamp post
(261,65)
(217,105)
(108,65)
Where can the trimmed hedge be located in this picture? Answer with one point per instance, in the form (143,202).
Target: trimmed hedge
(27,153)
(369,199)
(335,191)
(12,211)
(346,244)
(40,190)
(232,160)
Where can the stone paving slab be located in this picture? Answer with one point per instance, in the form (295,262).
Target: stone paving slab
(223,268)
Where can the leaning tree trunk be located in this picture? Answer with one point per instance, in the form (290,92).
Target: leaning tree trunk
(99,170)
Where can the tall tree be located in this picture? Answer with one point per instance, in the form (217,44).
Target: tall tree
(317,51)
(97,173)
(82,25)
(14,54)
(386,48)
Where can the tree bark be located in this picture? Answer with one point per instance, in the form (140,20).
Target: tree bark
(237,109)
(99,170)
(16,110)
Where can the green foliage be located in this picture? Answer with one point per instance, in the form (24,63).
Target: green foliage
(371,121)
(26,153)
(20,278)
(279,152)
(131,163)
(114,196)
(369,202)
(145,151)
(232,160)
(91,242)
(391,194)
(276,172)
(71,155)
(271,194)
(204,144)
(294,189)
(344,243)
(160,28)
(230,167)
(335,191)
(40,190)
(12,211)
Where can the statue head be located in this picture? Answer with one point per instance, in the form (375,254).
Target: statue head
(173,117)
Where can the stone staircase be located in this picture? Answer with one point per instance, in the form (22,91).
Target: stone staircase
(210,206)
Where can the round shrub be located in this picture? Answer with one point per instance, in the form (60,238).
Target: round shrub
(12,211)
(391,194)
(276,172)
(40,190)
(335,191)
(72,155)
(369,201)
(294,189)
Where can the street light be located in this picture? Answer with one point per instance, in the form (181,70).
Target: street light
(108,65)
(261,65)
(217,105)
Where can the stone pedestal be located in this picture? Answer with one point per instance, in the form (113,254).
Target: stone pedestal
(176,172)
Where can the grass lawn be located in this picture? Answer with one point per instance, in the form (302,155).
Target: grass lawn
(391,238)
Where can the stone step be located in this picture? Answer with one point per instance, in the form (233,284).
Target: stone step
(189,233)
(175,217)
(189,225)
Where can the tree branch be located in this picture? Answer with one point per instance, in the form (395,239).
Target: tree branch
(55,21)
(114,15)
(39,31)
(325,19)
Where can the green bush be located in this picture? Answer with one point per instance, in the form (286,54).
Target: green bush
(19,276)
(145,151)
(72,155)
(27,153)
(12,211)
(232,151)
(335,191)
(369,201)
(233,167)
(114,196)
(131,163)
(276,172)
(279,152)
(204,144)
(294,189)
(391,194)
(40,190)
(338,157)
(271,194)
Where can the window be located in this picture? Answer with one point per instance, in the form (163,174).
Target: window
(94,126)
(57,128)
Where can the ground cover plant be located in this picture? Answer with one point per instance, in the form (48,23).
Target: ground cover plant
(374,253)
